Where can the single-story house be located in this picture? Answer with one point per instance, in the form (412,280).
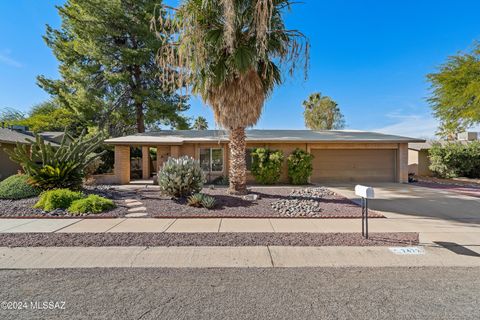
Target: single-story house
(8,140)
(340,156)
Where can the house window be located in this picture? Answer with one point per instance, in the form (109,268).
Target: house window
(249,158)
(211,159)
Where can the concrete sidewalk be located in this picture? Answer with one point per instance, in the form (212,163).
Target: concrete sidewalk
(236,225)
(229,257)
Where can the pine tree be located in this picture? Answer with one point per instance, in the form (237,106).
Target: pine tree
(109,75)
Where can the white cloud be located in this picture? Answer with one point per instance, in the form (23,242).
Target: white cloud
(416,126)
(9,61)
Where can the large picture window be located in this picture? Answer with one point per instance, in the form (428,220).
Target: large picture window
(211,159)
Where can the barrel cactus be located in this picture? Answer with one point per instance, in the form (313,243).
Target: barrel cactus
(181,177)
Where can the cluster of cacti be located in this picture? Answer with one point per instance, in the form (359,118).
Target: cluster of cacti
(181,177)
(200,200)
(52,167)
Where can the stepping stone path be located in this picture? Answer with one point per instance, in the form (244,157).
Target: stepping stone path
(135,209)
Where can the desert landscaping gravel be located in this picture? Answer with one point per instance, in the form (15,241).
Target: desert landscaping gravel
(205,239)
(272,202)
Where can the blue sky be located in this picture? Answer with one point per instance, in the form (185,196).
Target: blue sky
(371,56)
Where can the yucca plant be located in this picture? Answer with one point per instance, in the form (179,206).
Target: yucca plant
(62,166)
(231,53)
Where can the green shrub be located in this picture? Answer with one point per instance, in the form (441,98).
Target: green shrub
(181,177)
(455,160)
(17,187)
(199,200)
(91,204)
(299,166)
(266,165)
(52,167)
(57,199)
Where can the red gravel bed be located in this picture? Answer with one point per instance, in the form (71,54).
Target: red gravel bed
(205,239)
(231,206)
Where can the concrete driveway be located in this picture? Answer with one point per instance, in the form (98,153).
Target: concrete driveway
(409,201)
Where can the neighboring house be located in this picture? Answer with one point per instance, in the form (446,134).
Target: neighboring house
(340,156)
(8,140)
(54,136)
(418,159)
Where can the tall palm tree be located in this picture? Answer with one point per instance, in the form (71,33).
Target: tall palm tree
(200,124)
(232,54)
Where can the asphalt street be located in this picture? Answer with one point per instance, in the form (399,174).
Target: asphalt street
(294,293)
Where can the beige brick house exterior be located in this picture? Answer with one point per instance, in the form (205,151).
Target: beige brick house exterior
(340,156)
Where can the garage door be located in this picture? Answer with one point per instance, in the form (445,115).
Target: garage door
(353,165)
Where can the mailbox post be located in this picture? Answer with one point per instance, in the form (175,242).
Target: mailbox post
(365,193)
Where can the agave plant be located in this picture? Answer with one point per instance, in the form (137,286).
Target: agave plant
(230,53)
(63,166)
(208,202)
(199,200)
(195,200)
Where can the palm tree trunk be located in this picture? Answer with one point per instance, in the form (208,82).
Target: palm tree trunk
(238,169)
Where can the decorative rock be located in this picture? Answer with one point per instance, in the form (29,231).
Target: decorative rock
(251,197)
(138,209)
(303,202)
(136,215)
(134,204)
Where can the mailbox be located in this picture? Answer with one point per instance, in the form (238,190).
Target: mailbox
(364,192)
